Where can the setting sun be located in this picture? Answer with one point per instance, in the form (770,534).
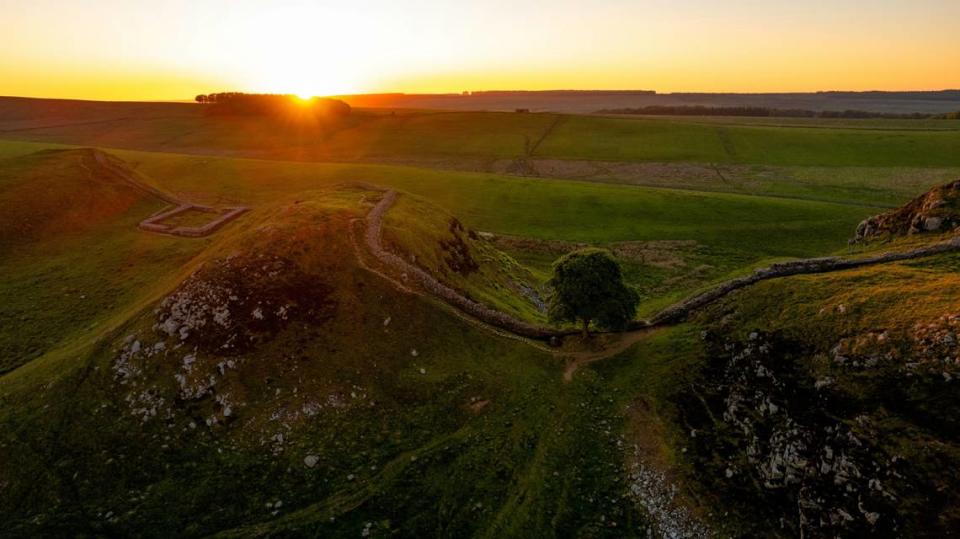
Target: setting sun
(67,48)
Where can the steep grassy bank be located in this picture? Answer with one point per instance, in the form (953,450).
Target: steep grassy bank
(279,389)
(70,252)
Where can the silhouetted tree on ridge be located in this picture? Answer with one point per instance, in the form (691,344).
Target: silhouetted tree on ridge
(243,104)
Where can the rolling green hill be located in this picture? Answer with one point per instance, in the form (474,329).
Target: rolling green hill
(72,256)
(278,366)
(272,380)
(719,233)
(869,162)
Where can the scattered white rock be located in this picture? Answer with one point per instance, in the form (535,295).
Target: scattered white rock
(657,496)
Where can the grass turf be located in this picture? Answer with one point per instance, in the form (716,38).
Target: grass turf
(614,139)
(492,135)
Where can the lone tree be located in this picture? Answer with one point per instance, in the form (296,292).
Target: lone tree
(588,286)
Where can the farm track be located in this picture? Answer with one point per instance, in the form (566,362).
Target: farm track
(524,166)
(532,150)
(729,148)
(414,280)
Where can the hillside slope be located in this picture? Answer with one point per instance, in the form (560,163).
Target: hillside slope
(273,381)
(281,389)
(440,244)
(71,255)
(826,403)
(59,192)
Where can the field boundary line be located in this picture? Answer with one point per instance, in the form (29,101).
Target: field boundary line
(532,150)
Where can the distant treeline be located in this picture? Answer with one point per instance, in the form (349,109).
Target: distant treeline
(238,103)
(697,110)
(578,93)
(928,95)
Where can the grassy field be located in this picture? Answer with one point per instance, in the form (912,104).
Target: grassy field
(731,232)
(666,140)
(836,123)
(186,386)
(547,209)
(870,162)
(377,134)
(364,135)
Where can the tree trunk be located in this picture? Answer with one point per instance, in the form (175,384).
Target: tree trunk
(586,328)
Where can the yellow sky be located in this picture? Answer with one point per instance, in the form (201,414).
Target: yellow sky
(125,49)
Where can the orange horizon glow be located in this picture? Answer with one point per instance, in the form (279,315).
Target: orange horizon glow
(116,50)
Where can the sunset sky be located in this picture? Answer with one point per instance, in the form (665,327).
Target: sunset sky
(133,49)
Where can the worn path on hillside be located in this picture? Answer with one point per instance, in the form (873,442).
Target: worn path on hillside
(506,325)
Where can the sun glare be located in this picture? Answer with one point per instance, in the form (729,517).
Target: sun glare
(295,59)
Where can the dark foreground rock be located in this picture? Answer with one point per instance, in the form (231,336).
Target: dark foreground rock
(837,443)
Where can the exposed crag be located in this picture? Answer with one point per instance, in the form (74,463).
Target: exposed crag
(825,406)
(937,210)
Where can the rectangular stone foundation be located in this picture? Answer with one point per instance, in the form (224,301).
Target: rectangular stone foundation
(156,223)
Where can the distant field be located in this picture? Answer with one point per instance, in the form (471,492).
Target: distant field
(665,140)
(587,102)
(843,123)
(482,137)
(741,191)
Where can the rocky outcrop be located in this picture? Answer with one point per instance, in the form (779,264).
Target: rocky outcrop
(937,210)
(830,443)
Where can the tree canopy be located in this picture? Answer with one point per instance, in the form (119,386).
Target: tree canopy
(238,103)
(588,286)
